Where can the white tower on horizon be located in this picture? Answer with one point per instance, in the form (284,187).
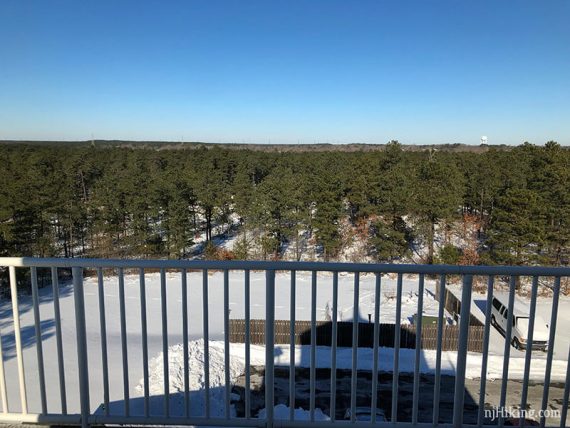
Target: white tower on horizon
(484,139)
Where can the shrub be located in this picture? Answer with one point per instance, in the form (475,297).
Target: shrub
(450,255)
(211,252)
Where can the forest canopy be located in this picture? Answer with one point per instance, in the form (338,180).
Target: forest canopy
(433,206)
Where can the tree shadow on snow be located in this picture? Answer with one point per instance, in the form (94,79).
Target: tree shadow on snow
(25,301)
(28,336)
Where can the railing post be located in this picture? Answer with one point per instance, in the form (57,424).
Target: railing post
(3,390)
(566,395)
(269,344)
(485,357)
(313,353)
(77,273)
(459,398)
(550,353)
(18,339)
(293,291)
(39,346)
(59,339)
(440,328)
(247,346)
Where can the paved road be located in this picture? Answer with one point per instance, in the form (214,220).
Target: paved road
(405,396)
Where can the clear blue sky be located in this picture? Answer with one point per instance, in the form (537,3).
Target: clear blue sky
(258,71)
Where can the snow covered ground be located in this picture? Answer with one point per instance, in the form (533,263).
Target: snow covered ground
(174,304)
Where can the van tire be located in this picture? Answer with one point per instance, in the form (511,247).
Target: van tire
(516,343)
(493,321)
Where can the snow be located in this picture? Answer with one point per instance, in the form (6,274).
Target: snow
(302,359)
(196,360)
(281,411)
(237,305)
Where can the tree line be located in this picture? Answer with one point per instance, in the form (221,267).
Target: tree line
(91,201)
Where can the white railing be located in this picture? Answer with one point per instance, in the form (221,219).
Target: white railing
(86,415)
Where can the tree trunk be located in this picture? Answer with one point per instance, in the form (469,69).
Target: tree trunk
(297,246)
(208,224)
(430,241)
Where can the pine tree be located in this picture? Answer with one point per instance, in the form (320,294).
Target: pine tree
(517,230)
(440,195)
(326,194)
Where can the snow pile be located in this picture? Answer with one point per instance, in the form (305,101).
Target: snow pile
(281,411)
(197,382)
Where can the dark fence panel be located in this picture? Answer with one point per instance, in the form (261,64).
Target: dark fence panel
(365,334)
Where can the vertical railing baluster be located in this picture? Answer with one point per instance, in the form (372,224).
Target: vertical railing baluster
(247,346)
(269,345)
(334,336)
(397,334)
(355,322)
(103,330)
(376,346)
(507,351)
(124,350)
(528,353)
(184,285)
(564,412)
(3,394)
(146,387)
(292,346)
(59,340)
(227,390)
(165,362)
(80,328)
(441,321)
(18,339)
(313,371)
(206,333)
(485,354)
(465,315)
(419,316)
(550,353)
(39,347)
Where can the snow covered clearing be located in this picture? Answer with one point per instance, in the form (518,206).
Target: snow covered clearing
(237,305)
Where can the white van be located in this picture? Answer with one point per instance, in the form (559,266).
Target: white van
(499,316)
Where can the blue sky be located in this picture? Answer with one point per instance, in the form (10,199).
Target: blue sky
(284,72)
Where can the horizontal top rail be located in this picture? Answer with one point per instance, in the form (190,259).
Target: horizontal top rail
(286,266)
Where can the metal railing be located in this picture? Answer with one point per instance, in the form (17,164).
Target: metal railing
(87,416)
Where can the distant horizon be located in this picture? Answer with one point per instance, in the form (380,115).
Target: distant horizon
(229,143)
(319,72)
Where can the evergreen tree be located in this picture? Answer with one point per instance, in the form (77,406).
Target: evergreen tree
(440,194)
(517,231)
(326,194)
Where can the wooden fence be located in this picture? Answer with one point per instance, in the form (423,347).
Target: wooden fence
(365,334)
